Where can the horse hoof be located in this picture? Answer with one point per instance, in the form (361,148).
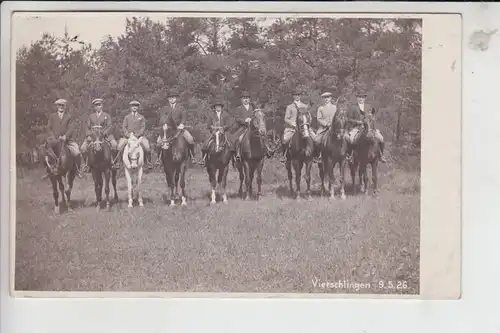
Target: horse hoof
(212,202)
(141,205)
(56,210)
(343,197)
(98,208)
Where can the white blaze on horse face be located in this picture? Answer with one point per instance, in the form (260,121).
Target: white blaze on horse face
(217,141)
(305,127)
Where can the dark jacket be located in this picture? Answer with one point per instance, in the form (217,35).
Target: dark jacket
(172,117)
(226,120)
(354,114)
(57,127)
(136,124)
(104,120)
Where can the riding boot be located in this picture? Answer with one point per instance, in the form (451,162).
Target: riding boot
(147,157)
(158,155)
(203,158)
(191,152)
(78,162)
(382,158)
(285,152)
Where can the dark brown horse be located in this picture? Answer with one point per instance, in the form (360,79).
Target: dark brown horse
(253,153)
(59,164)
(333,152)
(100,161)
(366,152)
(300,154)
(174,155)
(217,164)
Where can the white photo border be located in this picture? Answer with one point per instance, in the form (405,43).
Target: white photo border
(479,213)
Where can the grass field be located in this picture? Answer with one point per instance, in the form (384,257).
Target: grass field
(274,245)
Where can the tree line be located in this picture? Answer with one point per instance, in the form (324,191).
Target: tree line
(206,58)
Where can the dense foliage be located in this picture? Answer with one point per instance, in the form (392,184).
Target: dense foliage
(207,57)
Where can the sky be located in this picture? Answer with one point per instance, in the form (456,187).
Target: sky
(91,27)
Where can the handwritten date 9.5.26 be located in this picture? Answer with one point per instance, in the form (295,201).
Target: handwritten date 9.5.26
(397,285)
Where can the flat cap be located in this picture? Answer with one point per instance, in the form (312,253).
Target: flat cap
(361,93)
(217,102)
(173,93)
(245,93)
(97,101)
(296,92)
(326,94)
(134,103)
(60,101)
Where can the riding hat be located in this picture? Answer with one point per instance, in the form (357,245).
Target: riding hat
(217,102)
(361,93)
(245,94)
(296,92)
(60,101)
(326,94)
(134,103)
(173,93)
(97,101)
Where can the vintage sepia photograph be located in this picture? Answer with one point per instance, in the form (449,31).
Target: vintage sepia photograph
(217,153)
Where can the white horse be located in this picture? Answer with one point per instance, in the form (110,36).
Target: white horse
(133,160)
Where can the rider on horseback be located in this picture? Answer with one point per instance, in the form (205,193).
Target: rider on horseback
(134,124)
(325,115)
(99,118)
(60,128)
(243,116)
(355,117)
(219,118)
(173,116)
(290,121)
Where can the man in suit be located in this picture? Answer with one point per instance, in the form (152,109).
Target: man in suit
(355,116)
(219,118)
(100,118)
(325,115)
(134,124)
(173,116)
(61,127)
(243,116)
(291,120)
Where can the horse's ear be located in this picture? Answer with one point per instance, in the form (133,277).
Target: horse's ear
(374,111)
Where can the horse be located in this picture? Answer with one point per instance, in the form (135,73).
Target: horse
(217,164)
(174,156)
(333,152)
(366,151)
(300,154)
(59,164)
(100,161)
(252,154)
(133,161)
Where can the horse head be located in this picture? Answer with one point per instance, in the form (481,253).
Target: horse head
(259,122)
(337,127)
(55,160)
(368,123)
(219,138)
(133,154)
(96,145)
(304,123)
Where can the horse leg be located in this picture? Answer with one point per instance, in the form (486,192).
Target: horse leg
(242,179)
(183,183)
(55,193)
(70,180)
(259,178)
(342,178)
(290,177)
(331,179)
(362,177)
(251,175)
(213,183)
(248,184)
(308,179)
(375,176)
(128,176)
(140,172)
(107,175)
(352,168)
(298,174)
(322,168)
(224,183)
(176,181)
(113,181)
(61,189)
